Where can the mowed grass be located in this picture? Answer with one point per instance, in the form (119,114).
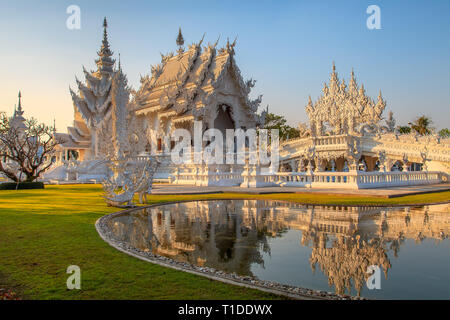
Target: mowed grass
(42,232)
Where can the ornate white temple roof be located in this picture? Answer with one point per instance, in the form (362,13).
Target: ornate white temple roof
(181,84)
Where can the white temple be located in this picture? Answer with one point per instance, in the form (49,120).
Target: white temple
(347,144)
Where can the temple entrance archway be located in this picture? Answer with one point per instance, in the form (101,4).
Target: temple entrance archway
(224,119)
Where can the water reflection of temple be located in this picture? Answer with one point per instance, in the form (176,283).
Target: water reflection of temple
(203,233)
(233,235)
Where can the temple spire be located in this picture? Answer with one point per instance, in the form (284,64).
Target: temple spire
(352,85)
(105,62)
(180,41)
(105,44)
(18,120)
(380,97)
(19,107)
(334,80)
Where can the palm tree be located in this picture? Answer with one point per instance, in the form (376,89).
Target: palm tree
(444,133)
(422,125)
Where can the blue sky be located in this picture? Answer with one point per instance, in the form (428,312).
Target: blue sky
(288,46)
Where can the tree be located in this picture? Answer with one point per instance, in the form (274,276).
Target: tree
(274,121)
(24,148)
(404,129)
(444,133)
(422,125)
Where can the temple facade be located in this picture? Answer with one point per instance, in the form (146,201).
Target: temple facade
(349,141)
(200,84)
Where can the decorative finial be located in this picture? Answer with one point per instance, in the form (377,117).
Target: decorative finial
(180,39)
(201,41)
(230,47)
(120,66)
(19,108)
(217,41)
(334,67)
(361,89)
(54,125)
(105,34)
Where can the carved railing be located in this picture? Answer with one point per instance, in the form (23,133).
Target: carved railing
(332,140)
(348,180)
(235,175)
(200,175)
(392,179)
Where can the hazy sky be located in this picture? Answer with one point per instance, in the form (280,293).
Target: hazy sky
(288,46)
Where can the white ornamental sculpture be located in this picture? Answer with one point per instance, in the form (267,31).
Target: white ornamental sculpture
(128,175)
(344,110)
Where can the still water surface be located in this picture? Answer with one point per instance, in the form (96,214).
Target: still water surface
(317,247)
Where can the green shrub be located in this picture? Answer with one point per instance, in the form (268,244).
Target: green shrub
(21,186)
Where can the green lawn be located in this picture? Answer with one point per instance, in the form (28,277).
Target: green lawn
(42,232)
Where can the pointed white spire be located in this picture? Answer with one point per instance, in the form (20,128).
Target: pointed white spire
(105,63)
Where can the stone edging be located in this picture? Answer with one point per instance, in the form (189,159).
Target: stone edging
(292,292)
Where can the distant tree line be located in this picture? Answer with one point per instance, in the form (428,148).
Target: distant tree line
(423,126)
(274,121)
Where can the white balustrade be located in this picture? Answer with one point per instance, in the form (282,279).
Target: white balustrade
(201,175)
(223,175)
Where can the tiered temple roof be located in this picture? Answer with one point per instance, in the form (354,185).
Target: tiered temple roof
(183,84)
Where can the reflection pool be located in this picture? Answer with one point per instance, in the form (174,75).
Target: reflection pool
(318,247)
